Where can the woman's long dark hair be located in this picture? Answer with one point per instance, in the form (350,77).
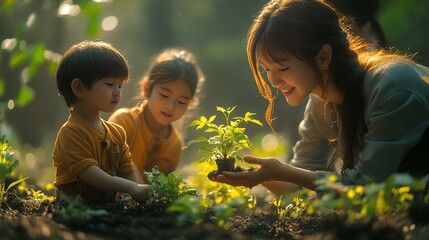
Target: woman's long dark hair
(301,28)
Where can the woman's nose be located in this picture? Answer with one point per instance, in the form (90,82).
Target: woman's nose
(275,81)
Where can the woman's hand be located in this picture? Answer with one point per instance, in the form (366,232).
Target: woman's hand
(267,171)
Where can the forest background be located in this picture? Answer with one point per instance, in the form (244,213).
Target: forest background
(34,35)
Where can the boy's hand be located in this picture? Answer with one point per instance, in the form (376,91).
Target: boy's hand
(141,192)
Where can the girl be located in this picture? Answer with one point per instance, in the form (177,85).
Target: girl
(370,110)
(169,88)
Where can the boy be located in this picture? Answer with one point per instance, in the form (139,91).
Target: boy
(91,156)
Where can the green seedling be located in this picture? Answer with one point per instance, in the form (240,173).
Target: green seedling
(7,165)
(167,187)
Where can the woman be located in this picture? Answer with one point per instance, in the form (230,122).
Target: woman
(368,109)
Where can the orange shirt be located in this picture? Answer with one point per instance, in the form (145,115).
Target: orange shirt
(148,149)
(79,145)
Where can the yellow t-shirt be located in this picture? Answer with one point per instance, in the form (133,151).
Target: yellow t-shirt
(79,145)
(148,149)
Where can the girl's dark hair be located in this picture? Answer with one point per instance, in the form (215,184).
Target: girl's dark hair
(89,61)
(301,28)
(175,64)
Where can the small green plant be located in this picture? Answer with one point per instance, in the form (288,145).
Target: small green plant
(213,198)
(193,210)
(190,209)
(7,165)
(355,202)
(169,187)
(375,199)
(295,205)
(74,209)
(227,138)
(222,212)
(38,195)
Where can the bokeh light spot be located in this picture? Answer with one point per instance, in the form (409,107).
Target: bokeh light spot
(269,142)
(109,23)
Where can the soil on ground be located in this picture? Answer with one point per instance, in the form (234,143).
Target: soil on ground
(26,218)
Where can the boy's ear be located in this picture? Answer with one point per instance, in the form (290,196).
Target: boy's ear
(145,88)
(324,57)
(77,87)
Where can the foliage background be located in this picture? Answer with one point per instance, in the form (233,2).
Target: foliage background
(215,31)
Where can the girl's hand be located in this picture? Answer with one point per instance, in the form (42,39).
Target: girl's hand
(141,192)
(267,171)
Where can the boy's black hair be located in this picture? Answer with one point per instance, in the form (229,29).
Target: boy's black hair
(89,61)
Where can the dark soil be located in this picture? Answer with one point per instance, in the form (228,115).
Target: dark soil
(213,174)
(24,218)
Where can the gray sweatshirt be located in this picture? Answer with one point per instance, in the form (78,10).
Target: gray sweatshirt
(396,97)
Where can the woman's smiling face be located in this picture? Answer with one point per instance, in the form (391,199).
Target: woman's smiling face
(292,76)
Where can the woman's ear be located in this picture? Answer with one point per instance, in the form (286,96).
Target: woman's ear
(77,87)
(324,57)
(145,88)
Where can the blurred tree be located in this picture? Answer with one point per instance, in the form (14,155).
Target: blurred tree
(405,24)
(31,31)
(159,15)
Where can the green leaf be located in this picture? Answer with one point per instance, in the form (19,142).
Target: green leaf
(249,118)
(18,58)
(37,58)
(209,130)
(99,212)
(14,183)
(230,109)
(239,131)
(25,96)
(194,123)
(244,143)
(234,124)
(8,6)
(14,164)
(220,109)
(221,130)
(53,66)
(4,171)
(212,118)
(93,14)
(205,149)
(200,139)
(402,179)
(202,122)
(1,87)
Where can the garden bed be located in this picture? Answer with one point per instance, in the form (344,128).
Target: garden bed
(197,208)
(26,218)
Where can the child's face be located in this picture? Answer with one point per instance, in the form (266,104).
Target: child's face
(293,77)
(169,101)
(104,94)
